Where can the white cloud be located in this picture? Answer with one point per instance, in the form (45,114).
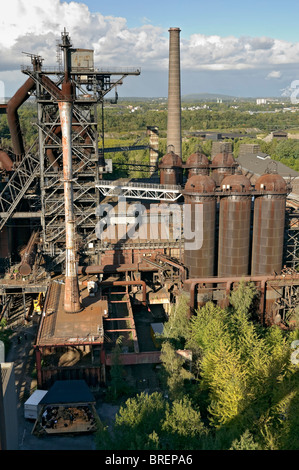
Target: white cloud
(29,25)
(273,74)
(34,26)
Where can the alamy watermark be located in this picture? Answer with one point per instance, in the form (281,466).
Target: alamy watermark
(294,89)
(295,354)
(162,221)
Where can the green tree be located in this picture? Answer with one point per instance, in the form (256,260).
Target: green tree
(182,428)
(137,424)
(174,374)
(176,329)
(245,442)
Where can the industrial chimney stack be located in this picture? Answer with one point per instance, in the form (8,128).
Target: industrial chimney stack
(174,92)
(71,290)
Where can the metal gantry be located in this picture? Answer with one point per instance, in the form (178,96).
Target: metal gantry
(91,85)
(134,190)
(292,241)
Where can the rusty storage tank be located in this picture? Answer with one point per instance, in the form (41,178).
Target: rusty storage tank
(234,226)
(199,260)
(268,224)
(197,164)
(223,164)
(171,168)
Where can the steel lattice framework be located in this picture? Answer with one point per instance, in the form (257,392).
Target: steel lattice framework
(139,191)
(91,85)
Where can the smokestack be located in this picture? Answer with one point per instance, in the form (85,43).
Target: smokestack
(71,289)
(174,93)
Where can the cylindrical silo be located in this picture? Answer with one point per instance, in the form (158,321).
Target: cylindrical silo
(199,258)
(234,226)
(268,225)
(197,164)
(223,164)
(171,169)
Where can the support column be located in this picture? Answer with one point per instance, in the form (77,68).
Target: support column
(71,290)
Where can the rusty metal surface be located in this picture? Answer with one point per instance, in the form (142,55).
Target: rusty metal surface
(268,234)
(223,164)
(171,171)
(197,164)
(262,282)
(58,328)
(271,182)
(200,262)
(234,227)
(199,184)
(199,189)
(234,236)
(72,296)
(28,256)
(13,105)
(6,162)
(128,283)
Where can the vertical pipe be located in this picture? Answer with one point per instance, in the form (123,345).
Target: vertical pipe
(71,291)
(174,92)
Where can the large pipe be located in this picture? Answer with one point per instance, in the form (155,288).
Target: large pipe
(174,93)
(6,162)
(29,254)
(128,283)
(229,281)
(71,293)
(13,119)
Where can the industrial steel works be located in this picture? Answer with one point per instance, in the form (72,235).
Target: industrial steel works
(84,288)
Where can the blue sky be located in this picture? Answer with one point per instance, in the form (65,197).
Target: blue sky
(253,18)
(229,47)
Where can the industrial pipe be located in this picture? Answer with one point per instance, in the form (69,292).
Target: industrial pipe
(71,292)
(180,267)
(29,254)
(225,280)
(6,162)
(13,119)
(128,283)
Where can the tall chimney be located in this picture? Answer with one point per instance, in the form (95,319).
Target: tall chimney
(71,289)
(174,93)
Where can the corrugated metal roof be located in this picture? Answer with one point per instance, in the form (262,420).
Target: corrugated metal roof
(258,166)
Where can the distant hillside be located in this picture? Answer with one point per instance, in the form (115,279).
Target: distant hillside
(208,97)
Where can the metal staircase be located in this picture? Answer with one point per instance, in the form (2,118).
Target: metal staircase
(25,173)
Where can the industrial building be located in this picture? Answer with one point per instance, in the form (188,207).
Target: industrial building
(102,270)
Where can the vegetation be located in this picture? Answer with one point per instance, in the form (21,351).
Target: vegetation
(126,124)
(241,392)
